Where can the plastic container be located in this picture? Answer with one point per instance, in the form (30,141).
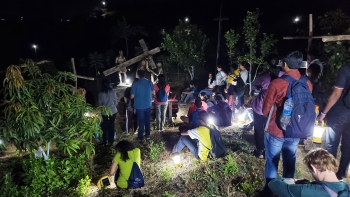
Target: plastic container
(287,112)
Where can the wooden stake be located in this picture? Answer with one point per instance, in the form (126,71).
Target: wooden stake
(75,73)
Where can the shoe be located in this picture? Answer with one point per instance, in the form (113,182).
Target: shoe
(259,154)
(108,144)
(148,138)
(136,132)
(161,130)
(126,134)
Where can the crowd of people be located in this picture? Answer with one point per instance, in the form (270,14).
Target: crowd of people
(217,104)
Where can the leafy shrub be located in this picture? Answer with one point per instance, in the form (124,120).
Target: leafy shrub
(167,173)
(167,194)
(155,150)
(249,187)
(43,178)
(230,166)
(83,186)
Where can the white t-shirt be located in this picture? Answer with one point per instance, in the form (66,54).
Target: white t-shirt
(244,75)
(211,85)
(219,77)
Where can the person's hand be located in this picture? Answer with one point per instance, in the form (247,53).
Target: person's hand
(225,90)
(301,181)
(321,117)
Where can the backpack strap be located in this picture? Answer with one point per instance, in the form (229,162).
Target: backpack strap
(209,134)
(330,192)
(290,80)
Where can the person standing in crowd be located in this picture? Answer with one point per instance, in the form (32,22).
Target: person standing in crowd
(188,94)
(220,80)
(275,142)
(162,90)
(262,83)
(322,166)
(108,98)
(313,56)
(337,114)
(196,139)
(211,86)
(131,117)
(313,73)
(122,163)
(244,66)
(230,88)
(142,92)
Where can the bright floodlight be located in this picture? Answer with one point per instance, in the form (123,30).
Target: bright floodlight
(210,121)
(186,19)
(297,19)
(127,81)
(34,46)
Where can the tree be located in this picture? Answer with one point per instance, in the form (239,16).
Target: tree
(185,44)
(231,40)
(124,31)
(41,108)
(96,61)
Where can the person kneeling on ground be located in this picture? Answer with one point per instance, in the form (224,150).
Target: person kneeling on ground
(193,120)
(193,108)
(322,166)
(188,94)
(197,140)
(122,163)
(222,112)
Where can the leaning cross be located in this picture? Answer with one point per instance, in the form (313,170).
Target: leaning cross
(324,38)
(145,54)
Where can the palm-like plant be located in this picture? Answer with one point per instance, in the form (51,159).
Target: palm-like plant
(96,60)
(124,31)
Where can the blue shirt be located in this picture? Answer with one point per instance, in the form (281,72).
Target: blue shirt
(142,90)
(194,118)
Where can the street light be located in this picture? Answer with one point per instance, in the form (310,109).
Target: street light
(186,19)
(297,19)
(34,46)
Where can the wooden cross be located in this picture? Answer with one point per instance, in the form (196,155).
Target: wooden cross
(324,38)
(145,54)
(219,32)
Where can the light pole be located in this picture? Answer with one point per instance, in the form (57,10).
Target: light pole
(34,46)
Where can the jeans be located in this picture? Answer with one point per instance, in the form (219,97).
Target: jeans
(240,102)
(221,90)
(187,97)
(207,92)
(108,128)
(259,123)
(332,140)
(186,141)
(345,156)
(273,148)
(160,115)
(131,120)
(144,116)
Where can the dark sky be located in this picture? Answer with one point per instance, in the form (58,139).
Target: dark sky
(59,41)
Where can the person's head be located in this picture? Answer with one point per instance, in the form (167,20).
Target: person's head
(203,96)
(161,80)
(292,61)
(141,73)
(244,66)
(313,71)
(219,67)
(274,67)
(198,103)
(218,98)
(312,54)
(319,161)
(191,84)
(203,117)
(159,64)
(123,147)
(210,75)
(105,86)
(121,52)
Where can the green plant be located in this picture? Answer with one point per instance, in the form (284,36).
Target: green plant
(39,107)
(249,187)
(167,173)
(83,186)
(167,194)
(298,173)
(186,46)
(231,40)
(230,166)
(155,150)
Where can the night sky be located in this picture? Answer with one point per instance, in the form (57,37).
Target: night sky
(59,40)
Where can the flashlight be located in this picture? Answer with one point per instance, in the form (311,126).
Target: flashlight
(127,81)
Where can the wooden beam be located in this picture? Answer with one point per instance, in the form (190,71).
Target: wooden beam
(131,61)
(310,32)
(145,50)
(75,73)
(82,77)
(335,38)
(301,37)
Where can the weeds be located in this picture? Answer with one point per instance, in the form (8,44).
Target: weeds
(230,166)
(167,194)
(155,150)
(249,187)
(83,186)
(298,173)
(241,146)
(167,173)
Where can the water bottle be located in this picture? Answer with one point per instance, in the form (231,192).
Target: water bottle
(287,112)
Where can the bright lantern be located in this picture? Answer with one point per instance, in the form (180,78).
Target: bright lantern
(176,158)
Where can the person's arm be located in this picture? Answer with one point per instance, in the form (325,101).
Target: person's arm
(224,76)
(133,91)
(132,96)
(285,187)
(184,133)
(332,100)
(244,76)
(114,168)
(270,99)
(153,94)
(125,100)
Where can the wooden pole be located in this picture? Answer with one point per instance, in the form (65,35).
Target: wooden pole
(310,32)
(75,73)
(335,38)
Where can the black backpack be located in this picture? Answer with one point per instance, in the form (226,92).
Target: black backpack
(219,149)
(239,88)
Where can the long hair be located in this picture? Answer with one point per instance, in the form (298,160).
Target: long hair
(105,86)
(123,147)
(212,78)
(161,80)
(272,61)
